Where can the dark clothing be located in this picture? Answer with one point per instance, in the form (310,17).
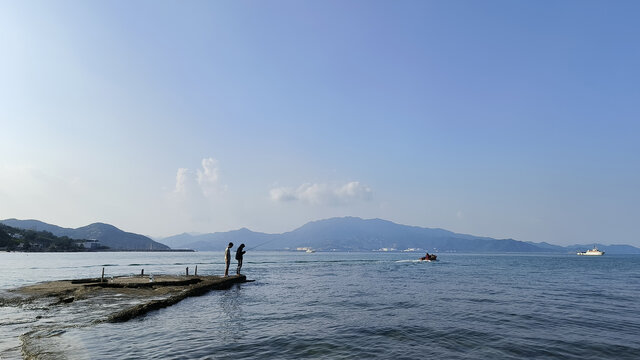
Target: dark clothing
(239,266)
(239,254)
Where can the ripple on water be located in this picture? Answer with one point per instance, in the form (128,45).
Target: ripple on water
(464,307)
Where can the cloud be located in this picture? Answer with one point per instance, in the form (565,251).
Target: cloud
(323,194)
(355,190)
(195,191)
(202,182)
(283,194)
(208,176)
(182,181)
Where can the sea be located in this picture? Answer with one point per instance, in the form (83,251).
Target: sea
(339,305)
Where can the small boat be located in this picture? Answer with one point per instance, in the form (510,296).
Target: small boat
(429,257)
(310,251)
(592,252)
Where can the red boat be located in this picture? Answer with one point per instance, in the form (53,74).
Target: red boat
(430,257)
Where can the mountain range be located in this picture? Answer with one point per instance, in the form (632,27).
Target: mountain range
(107,235)
(335,234)
(356,234)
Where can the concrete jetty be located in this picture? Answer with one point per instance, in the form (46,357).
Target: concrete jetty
(46,310)
(152,292)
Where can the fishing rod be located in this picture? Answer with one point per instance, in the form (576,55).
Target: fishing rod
(264,243)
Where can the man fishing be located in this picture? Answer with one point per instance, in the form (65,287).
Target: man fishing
(239,253)
(227,259)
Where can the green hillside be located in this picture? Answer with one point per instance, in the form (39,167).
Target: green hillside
(14,239)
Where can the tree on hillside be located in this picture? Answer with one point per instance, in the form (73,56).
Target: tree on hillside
(31,240)
(5,238)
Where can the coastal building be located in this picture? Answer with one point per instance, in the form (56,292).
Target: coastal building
(88,244)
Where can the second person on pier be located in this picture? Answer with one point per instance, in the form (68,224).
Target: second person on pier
(239,254)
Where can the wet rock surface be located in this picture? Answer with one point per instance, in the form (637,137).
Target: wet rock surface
(48,309)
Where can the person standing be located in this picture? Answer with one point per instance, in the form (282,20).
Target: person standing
(239,254)
(227,259)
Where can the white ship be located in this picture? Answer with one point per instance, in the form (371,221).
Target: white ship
(592,252)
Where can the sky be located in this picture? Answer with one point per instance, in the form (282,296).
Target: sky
(508,119)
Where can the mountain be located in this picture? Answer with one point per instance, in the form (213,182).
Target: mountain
(339,234)
(549,247)
(177,241)
(12,239)
(35,225)
(107,235)
(219,240)
(356,234)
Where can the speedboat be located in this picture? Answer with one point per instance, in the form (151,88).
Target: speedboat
(429,257)
(592,252)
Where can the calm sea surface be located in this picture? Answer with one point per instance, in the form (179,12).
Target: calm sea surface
(341,306)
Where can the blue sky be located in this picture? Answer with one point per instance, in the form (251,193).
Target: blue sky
(510,119)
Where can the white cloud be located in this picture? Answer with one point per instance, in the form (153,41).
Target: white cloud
(202,182)
(208,176)
(314,193)
(323,194)
(195,190)
(283,194)
(182,181)
(355,190)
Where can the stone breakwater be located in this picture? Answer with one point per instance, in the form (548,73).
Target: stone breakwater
(171,289)
(53,307)
(193,287)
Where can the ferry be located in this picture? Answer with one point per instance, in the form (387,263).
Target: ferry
(592,252)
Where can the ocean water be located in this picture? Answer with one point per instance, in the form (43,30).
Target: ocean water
(341,306)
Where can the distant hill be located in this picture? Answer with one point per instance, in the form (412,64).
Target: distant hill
(15,239)
(219,240)
(335,234)
(107,235)
(352,233)
(356,234)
